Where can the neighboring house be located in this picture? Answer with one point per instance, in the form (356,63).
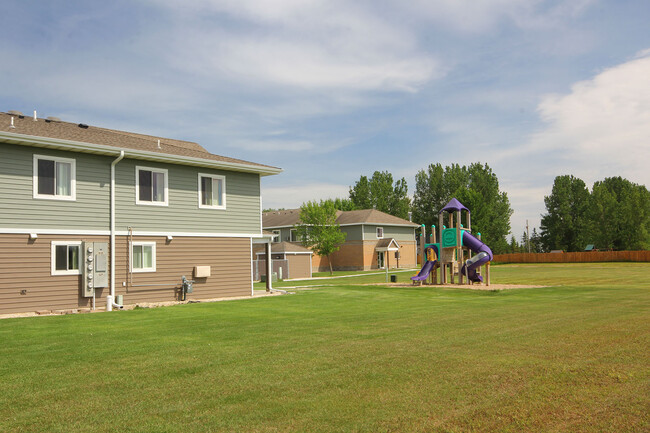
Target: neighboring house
(289,260)
(373,239)
(92,211)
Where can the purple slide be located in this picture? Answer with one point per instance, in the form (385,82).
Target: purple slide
(484,255)
(425,271)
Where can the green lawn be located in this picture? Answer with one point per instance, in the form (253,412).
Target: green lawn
(571,357)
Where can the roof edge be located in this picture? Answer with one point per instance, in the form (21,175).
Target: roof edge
(103,149)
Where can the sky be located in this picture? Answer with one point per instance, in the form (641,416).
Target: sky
(332,90)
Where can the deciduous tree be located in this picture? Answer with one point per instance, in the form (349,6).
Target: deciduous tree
(477,187)
(381,193)
(566,225)
(318,229)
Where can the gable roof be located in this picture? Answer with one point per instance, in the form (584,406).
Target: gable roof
(92,139)
(291,217)
(389,244)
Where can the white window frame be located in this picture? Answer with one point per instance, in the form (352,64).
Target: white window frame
(153,257)
(73,178)
(164,171)
(292,236)
(377,232)
(277,239)
(55,271)
(223,191)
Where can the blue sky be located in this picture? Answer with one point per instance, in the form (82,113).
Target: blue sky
(331,90)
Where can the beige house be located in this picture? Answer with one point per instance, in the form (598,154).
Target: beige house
(374,239)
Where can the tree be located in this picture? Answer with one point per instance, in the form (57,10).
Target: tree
(318,229)
(620,214)
(342,204)
(535,242)
(381,193)
(477,187)
(566,225)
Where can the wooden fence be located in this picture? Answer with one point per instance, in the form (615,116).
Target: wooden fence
(591,256)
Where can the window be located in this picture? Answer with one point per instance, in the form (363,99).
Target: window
(212,191)
(151,186)
(66,258)
(54,178)
(293,236)
(277,236)
(143,257)
(380,233)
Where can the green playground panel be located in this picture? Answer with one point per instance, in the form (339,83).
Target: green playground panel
(449,237)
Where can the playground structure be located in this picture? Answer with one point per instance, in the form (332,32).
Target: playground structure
(452,254)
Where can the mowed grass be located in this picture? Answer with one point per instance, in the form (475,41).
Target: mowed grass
(347,358)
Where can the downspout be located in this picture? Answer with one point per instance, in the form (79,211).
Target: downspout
(109,301)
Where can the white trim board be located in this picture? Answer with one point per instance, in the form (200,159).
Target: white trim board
(46,231)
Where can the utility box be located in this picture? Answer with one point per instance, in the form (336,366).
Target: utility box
(95,267)
(201,271)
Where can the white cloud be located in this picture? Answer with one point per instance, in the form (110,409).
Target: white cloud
(274,145)
(300,45)
(479,16)
(292,196)
(601,128)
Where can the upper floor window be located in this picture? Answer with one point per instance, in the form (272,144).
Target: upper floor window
(151,186)
(54,178)
(276,238)
(66,258)
(212,191)
(380,233)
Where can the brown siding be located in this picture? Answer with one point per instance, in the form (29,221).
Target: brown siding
(591,256)
(299,265)
(25,265)
(228,258)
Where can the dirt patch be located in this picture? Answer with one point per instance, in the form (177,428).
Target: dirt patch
(463,286)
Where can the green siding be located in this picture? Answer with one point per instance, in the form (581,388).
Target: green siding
(354,233)
(396,232)
(90,210)
(242,213)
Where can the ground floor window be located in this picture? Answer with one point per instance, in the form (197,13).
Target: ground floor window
(66,258)
(143,257)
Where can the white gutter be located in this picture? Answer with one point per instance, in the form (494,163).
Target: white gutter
(113,164)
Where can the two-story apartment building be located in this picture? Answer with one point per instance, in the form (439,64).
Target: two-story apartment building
(134,212)
(374,239)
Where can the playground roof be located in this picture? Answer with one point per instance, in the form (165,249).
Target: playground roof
(453,205)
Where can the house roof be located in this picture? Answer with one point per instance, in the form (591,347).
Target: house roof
(290,217)
(389,244)
(72,136)
(287,247)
